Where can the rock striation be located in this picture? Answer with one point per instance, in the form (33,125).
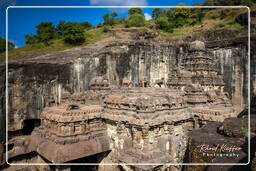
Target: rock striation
(123,101)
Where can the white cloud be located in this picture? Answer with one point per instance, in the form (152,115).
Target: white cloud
(147,16)
(119,2)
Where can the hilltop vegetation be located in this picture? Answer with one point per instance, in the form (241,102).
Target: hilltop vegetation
(170,23)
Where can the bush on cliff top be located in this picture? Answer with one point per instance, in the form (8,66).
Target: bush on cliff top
(73,33)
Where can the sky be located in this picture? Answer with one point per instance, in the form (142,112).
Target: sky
(22,21)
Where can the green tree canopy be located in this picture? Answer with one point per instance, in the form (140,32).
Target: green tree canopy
(163,23)
(60,27)
(110,19)
(31,39)
(46,32)
(136,20)
(73,33)
(156,12)
(132,11)
(86,25)
(182,12)
(3,45)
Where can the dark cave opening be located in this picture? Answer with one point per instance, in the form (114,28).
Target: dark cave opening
(29,125)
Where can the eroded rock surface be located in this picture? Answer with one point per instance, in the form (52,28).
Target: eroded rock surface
(128,101)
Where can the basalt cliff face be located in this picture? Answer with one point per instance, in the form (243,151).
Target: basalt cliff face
(45,81)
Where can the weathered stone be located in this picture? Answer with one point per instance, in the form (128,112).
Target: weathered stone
(197,46)
(101,96)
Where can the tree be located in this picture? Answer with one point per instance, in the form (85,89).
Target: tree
(182,12)
(3,45)
(132,11)
(86,25)
(31,39)
(109,19)
(114,14)
(73,33)
(163,24)
(155,13)
(136,20)
(208,3)
(46,32)
(60,27)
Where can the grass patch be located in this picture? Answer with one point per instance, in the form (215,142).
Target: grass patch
(94,35)
(232,25)
(91,36)
(35,49)
(214,19)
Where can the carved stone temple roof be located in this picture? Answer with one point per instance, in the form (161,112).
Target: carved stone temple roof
(145,100)
(68,112)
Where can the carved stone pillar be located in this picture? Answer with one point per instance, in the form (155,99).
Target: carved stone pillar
(83,127)
(59,128)
(145,133)
(71,128)
(196,122)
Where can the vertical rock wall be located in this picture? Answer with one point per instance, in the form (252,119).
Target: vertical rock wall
(34,85)
(232,64)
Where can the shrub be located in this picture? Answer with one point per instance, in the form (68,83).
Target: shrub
(110,19)
(3,45)
(86,25)
(136,20)
(31,39)
(244,129)
(105,29)
(132,11)
(73,33)
(163,24)
(46,32)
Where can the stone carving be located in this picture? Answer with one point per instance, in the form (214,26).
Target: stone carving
(197,68)
(147,122)
(99,83)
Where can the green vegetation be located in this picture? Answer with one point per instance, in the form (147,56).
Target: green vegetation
(92,36)
(162,23)
(110,19)
(136,18)
(3,45)
(105,29)
(173,23)
(230,25)
(244,129)
(73,33)
(46,32)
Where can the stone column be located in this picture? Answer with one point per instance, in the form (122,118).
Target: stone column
(71,128)
(83,126)
(196,122)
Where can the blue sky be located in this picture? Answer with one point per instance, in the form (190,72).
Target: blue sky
(22,21)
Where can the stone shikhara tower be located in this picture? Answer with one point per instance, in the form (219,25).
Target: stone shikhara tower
(197,68)
(143,124)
